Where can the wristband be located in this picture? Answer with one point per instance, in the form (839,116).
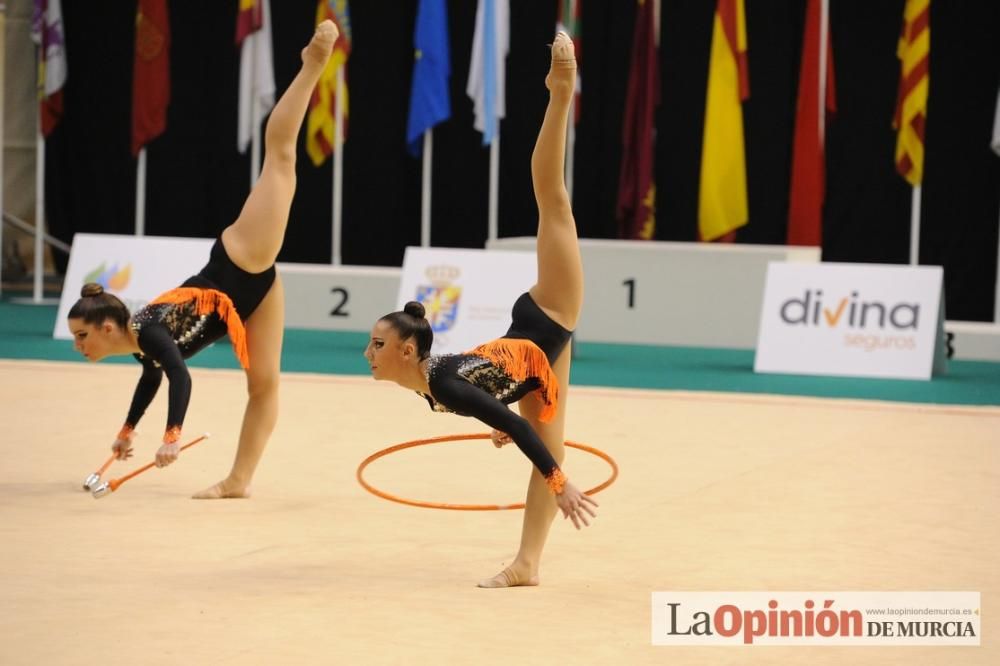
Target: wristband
(556,480)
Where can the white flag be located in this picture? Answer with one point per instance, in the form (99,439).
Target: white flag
(487,70)
(47,32)
(256,78)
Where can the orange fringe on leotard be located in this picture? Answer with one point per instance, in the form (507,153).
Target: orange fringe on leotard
(208,301)
(522,359)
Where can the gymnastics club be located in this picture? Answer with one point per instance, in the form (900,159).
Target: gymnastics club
(111,486)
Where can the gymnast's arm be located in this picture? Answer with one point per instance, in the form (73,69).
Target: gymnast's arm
(156,343)
(145,391)
(463,397)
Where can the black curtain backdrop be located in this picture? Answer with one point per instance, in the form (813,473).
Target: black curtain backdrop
(197,180)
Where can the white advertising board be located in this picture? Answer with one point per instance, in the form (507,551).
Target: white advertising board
(136,269)
(863,320)
(468,294)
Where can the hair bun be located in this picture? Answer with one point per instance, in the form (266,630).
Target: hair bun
(91,289)
(415,309)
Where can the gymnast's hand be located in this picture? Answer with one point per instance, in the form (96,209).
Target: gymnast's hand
(167,454)
(500,438)
(574,505)
(122,448)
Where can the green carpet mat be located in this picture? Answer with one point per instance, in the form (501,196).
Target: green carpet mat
(26,333)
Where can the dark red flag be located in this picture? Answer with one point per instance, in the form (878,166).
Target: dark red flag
(151,73)
(636,211)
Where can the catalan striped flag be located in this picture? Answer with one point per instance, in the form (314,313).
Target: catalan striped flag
(914,52)
(320,130)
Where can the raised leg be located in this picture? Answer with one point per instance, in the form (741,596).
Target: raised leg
(254,239)
(265,332)
(539,506)
(559,290)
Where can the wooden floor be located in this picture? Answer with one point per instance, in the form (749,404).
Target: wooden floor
(716,492)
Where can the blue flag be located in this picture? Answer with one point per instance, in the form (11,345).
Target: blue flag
(430,101)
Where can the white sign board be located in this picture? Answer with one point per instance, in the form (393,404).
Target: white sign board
(468,294)
(136,269)
(864,320)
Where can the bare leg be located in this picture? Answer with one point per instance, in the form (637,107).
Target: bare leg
(559,291)
(539,507)
(254,239)
(265,330)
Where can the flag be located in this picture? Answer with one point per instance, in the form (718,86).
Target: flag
(722,199)
(249,19)
(430,101)
(47,33)
(636,209)
(150,73)
(569,21)
(808,187)
(486,85)
(320,130)
(253,35)
(914,52)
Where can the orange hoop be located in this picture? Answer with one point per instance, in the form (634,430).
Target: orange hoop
(467,507)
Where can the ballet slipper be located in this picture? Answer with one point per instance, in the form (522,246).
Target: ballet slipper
(507,578)
(321,46)
(220,491)
(562,70)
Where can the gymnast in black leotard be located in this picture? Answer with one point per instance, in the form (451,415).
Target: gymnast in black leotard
(238,293)
(530,363)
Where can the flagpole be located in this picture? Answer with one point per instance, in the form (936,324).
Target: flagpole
(338,163)
(254,111)
(915,227)
(824,35)
(996,293)
(36,296)
(140,194)
(3,32)
(494,183)
(425,191)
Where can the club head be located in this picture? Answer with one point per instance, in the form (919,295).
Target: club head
(101,491)
(92,481)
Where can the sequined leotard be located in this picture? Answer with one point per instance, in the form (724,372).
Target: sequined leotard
(482,382)
(181,322)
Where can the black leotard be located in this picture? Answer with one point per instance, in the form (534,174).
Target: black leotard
(179,323)
(482,382)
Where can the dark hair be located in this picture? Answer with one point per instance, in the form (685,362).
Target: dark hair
(411,323)
(96,305)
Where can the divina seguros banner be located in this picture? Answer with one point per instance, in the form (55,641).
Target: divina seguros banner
(864,320)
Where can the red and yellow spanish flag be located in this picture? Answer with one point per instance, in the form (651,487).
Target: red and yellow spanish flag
(722,200)
(914,52)
(151,73)
(320,129)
